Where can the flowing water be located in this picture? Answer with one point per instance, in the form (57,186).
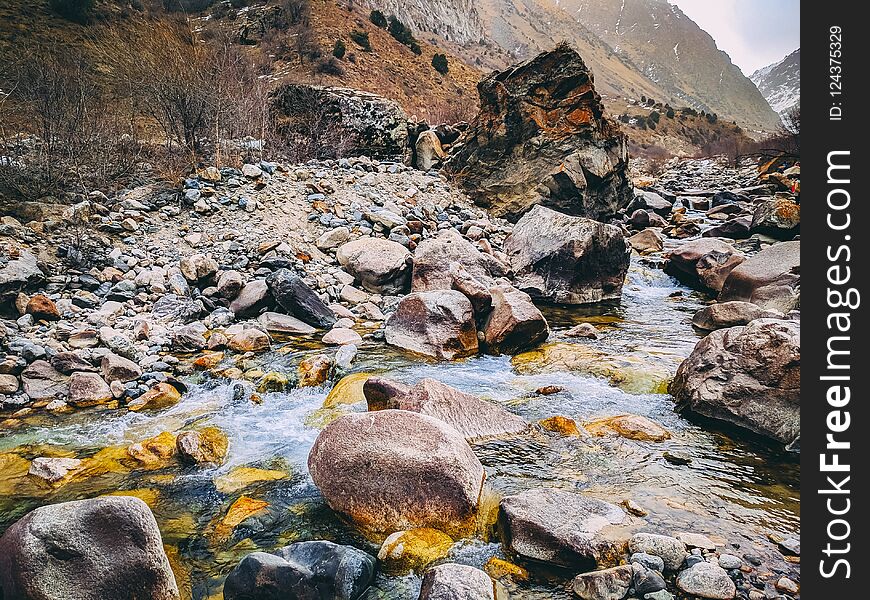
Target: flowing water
(735,490)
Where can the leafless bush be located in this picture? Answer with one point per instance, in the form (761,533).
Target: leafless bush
(59,129)
(311,128)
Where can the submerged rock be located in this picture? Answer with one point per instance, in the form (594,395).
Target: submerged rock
(567,260)
(439,324)
(108,547)
(562,528)
(633,427)
(405,551)
(541,138)
(369,466)
(460,582)
(748,376)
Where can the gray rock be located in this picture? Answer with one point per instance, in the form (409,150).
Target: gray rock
(437,259)
(118,368)
(108,547)
(771,279)
(704,263)
(294,296)
(567,260)
(731,314)
(514,322)
(671,550)
(339,572)
(460,582)
(656,563)
(230,284)
(252,300)
(562,528)
(382,266)
(42,382)
(748,376)
(279,323)
(176,309)
(88,389)
(706,580)
(606,584)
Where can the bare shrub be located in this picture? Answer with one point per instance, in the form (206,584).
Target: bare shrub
(311,128)
(59,129)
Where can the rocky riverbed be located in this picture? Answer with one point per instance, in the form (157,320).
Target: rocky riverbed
(349,379)
(150,374)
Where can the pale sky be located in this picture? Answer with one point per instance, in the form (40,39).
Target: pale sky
(754,33)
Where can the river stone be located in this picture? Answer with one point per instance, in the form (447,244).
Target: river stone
(647,241)
(118,368)
(108,547)
(53,469)
(475,290)
(42,308)
(748,376)
(209,445)
(18,274)
(437,259)
(646,580)
(703,263)
(253,299)
(338,572)
(770,279)
(262,576)
(278,323)
(88,389)
(197,266)
(230,284)
(606,584)
(567,260)
(405,551)
(294,296)
(778,217)
(69,362)
(42,382)
(474,418)
(671,550)
(647,200)
(332,238)
(730,314)
(541,137)
(648,560)
(393,470)
(172,308)
(514,323)
(8,384)
(735,229)
(428,150)
(460,582)
(439,324)
(632,427)
(250,340)
(706,580)
(562,528)
(381,266)
(341,336)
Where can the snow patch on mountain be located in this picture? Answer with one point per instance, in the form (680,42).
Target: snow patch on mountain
(780,83)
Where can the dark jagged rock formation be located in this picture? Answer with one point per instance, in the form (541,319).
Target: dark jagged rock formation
(541,137)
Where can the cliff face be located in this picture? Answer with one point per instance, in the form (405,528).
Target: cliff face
(780,83)
(455,20)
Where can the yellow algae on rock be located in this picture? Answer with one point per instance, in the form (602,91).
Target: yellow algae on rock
(153,452)
(147,495)
(314,371)
(632,427)
(208,360)
(243,508)
(242,477)
(162,395)
(208,445)
(561,425)
(273,381)
(498,568)
(348,390)
(414,549)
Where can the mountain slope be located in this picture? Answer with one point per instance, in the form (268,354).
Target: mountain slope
(780,83)
(677,54)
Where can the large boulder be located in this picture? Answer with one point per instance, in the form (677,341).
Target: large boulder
(748,376)
(704,263)
(770,279)
(107,547)
(474,418)
(428,150)
(437,259)
(439,324)
(541,137)
(460,582)
(777,217)
(253,299)
(730,314)
(514,323)
(17,272)
(393,470)
(294,296)
(567,260)
(562,528)
(382,266)
(366,123)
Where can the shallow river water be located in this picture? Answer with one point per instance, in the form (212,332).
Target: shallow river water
(735,490)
